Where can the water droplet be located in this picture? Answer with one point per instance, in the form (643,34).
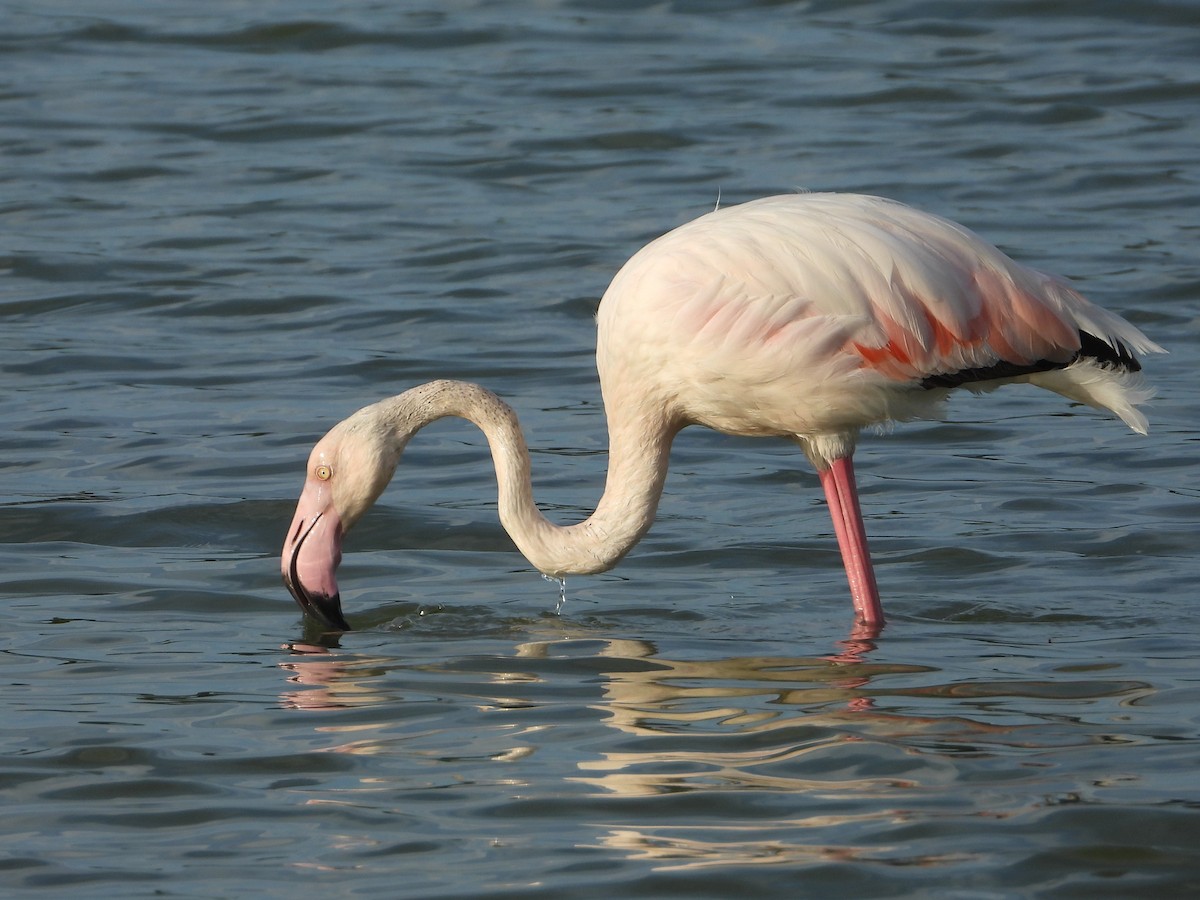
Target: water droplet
(562,592)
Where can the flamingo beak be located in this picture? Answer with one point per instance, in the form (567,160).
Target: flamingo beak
(311,554)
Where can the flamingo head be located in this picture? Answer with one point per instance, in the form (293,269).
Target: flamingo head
(347,471)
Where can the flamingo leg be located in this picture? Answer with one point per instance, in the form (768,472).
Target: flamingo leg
(842,495)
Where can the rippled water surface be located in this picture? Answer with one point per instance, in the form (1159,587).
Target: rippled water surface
(224,226)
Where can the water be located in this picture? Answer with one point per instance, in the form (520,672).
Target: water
(223,228)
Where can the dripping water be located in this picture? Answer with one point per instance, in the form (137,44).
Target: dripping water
(562,592)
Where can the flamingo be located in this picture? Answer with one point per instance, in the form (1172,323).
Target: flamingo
(805,316)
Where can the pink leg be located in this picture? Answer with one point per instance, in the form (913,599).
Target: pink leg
(842,496)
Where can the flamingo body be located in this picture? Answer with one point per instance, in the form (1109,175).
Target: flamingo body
(817,314)
(805,316)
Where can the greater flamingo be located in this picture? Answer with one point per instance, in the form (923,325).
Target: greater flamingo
(805,316)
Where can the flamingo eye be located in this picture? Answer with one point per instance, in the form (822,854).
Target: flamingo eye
(323,472)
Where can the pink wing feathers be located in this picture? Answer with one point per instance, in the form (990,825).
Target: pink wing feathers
(930,296)
(900,293)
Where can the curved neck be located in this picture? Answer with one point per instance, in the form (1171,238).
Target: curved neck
(639,447)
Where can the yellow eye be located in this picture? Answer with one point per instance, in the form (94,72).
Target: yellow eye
(324,473)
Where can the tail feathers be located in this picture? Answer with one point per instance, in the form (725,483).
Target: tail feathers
(1106,372)
(1108,353)
(1102,385)
(1111,354)
(1099,326)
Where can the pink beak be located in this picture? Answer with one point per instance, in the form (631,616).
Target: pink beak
(311,554)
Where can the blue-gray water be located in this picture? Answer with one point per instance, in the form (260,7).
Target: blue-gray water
(224,226)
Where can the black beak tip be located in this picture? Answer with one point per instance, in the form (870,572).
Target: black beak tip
(328,611)
(325,610)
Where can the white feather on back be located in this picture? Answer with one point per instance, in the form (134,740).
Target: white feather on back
(820,312)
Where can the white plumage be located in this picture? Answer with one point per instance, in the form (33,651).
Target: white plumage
(813,313)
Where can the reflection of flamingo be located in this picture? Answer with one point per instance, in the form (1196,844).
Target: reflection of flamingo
(807,317)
